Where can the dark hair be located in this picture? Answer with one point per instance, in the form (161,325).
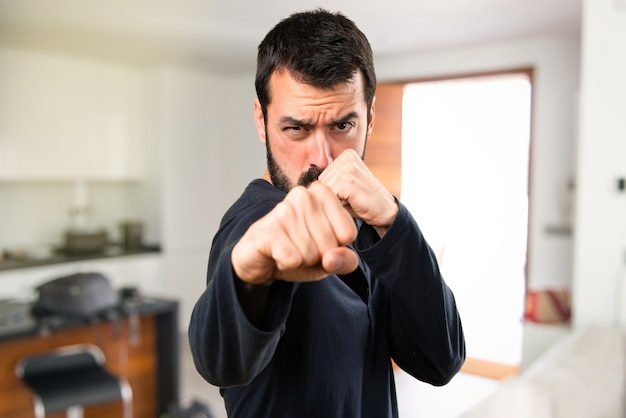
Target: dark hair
(318,48)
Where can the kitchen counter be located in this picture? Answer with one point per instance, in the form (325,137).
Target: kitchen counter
(142,345)
(10,263)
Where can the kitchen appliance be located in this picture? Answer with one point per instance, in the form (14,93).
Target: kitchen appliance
(132,235)
(84,242)
(83,237)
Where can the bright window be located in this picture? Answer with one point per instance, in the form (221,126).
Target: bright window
(465,159)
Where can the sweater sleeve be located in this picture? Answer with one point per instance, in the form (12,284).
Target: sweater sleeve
(228,350)
(426,336)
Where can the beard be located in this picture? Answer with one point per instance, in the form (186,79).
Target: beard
(279,178)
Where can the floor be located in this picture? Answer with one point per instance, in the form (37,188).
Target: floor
(415,399)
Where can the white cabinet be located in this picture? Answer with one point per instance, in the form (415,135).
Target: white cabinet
(64,118)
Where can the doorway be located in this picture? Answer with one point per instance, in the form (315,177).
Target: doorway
(465,175)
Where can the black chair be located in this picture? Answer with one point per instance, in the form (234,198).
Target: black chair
(70,378)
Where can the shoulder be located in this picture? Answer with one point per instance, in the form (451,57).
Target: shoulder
(258,198)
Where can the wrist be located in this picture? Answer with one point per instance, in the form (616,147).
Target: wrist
(253,300)
(248,277)
(392,213)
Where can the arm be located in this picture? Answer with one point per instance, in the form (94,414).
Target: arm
(426,334)
(425,328)
(254,262)
(228,349)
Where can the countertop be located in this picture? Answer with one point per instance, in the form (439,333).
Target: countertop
(18,320)
(9,263)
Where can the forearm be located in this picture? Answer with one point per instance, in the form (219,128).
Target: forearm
(426,333)
(227,346)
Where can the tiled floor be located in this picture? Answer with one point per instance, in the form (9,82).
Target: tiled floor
(415,399)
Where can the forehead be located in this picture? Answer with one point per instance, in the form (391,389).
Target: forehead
(284,87)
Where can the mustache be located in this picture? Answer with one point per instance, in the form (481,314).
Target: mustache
(309,176)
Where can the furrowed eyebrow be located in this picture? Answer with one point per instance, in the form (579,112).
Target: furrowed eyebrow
(346,118)
(288,120)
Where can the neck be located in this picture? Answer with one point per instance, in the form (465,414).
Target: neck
(266,177)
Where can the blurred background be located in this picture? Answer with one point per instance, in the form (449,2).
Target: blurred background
(126,131)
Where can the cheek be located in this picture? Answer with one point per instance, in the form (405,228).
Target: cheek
(296,158)
(290,155)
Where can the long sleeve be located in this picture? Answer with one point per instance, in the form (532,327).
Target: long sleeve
(425,327)
(324,347)
(227,349)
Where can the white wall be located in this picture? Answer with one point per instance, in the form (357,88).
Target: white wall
(600,246)
(556,76)
(208,152)
(32,139)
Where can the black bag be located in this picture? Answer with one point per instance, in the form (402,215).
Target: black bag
(80,294)
(197,409)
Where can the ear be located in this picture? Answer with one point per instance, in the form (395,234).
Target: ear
(370,125)
(259,120)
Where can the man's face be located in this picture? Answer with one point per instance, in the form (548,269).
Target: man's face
(308,127)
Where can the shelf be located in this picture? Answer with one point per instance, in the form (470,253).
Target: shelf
(60,258)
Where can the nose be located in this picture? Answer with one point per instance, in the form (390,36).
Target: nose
(319,153)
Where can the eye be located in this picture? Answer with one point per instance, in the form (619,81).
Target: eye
(294,129)
(295,132)
(344,126)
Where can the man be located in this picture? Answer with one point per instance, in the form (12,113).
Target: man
(318,276)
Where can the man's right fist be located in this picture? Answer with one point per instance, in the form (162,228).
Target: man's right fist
(302,239)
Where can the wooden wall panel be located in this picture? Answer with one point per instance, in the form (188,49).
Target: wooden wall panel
(383,155)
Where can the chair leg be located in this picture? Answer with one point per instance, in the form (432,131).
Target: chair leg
(127,399)
(128,409)
(40,411)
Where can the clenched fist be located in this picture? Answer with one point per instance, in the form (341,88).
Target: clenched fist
(361,193)
(302,239)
